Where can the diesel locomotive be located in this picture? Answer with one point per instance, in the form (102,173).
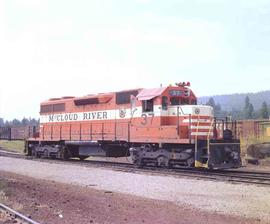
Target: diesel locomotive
(161,126)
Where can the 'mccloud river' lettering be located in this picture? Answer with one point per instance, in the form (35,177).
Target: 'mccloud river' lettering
(75,117)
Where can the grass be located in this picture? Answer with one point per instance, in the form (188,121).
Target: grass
(3,189)
(14,146)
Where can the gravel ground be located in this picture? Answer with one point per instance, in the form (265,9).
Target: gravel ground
(67,204)
(223,198)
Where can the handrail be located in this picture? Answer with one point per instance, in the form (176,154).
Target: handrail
(211,127)
(196,137)
(208,138)
(197,130)
(178,123)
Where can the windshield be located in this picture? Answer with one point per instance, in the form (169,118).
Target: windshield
(182,101)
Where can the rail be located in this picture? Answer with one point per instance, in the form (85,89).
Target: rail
(235,176)
(17,215)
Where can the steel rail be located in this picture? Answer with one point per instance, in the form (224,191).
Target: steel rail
(17,215)
(247,177)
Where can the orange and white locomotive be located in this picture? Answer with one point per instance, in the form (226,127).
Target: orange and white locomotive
(161,126)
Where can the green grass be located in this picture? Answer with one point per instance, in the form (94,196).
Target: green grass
(14,146)
(3,190)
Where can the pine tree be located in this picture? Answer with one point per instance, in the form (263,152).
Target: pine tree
(15,122)
(25,121)
(211,102)
(264,111)
(217,107)
(247,101)
(2,123)
(249,109)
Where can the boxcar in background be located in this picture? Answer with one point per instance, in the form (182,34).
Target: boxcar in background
(247,129)
(18,132)
(5,133)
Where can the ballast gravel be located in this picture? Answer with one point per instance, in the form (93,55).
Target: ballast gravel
(224,198)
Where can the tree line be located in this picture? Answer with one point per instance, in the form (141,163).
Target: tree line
(247,112)
(229,102)
(17,122)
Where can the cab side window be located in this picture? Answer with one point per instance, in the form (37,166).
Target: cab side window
(148,105)
(164,103)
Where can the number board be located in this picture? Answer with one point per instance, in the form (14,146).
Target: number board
(176,93)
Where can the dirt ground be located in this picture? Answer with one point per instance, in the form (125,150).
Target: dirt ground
(51,202)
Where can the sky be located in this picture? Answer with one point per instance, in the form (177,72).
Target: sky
(54,48)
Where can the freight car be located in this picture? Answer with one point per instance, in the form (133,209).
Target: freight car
(18,132)
(160,126)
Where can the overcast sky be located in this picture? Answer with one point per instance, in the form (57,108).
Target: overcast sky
(51,48)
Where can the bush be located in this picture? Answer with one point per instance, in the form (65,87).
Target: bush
(259,151)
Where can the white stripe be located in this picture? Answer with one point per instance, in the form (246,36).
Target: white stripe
(114,114)
(201,127)
(200,110)
(201,134)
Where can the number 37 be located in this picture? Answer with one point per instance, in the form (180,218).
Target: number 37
(146,118)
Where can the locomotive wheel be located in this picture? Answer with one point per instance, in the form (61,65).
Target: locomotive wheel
(162,161)
(64,154)
(46,153)
(191,162)
(170,165)
(35,153)
(139,163)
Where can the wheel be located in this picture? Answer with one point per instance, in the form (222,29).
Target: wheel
(35,153)
(170,165)
(46,153)
(162,161)
(191,162)
(64,154)
(139,163)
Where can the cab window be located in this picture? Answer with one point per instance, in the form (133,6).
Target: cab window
(148,105)
(179,101)
(164,103)
(175,101)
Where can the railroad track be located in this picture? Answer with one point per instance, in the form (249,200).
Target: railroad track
(12,216)
(233,176)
